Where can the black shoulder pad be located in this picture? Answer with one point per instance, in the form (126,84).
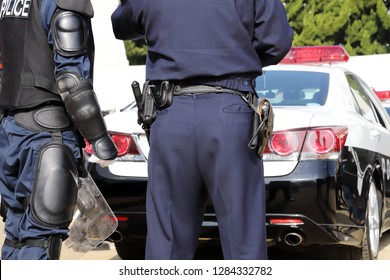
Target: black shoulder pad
(81,6)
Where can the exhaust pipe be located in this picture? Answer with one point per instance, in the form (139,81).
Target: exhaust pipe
(293,239)
(116,236)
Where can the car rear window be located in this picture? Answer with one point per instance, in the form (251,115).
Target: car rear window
(293,88)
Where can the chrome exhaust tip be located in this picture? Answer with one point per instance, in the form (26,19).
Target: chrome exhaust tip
(293,239)
(116,236)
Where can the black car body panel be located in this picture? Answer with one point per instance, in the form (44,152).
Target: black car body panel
(327,196)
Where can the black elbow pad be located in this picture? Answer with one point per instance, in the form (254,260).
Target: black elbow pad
(83,108)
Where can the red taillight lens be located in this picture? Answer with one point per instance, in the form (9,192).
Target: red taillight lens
(88,147)
(286,221)
(124,143)
(122,218)
(285,143)
(321,141)
(306,144)
(324,142)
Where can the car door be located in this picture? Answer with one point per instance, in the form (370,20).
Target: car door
(379,135)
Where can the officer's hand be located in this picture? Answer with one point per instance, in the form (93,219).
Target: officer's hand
(103,163)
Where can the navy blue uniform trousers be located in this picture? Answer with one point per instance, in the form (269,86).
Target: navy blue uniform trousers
(19,153)
(201,143)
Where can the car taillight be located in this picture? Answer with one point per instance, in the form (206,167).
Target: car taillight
(321,141)
(286,143)
(124,143)
(324,143)
(88,147)
(286,221)
(315,54)
(306,144)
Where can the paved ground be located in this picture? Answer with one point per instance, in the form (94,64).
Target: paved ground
(107,250)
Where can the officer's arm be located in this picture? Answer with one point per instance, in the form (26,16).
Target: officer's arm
(273,34)
(127,21)
(70,31)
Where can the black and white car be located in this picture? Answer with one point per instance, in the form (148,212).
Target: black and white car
(373,69)
(384,96)
(327,164)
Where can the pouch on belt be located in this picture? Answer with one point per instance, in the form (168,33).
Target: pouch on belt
(263,125)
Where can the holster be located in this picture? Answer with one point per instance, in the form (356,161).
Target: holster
(262,126)
(163,94)
(149,113)
(154,95)
(145,104)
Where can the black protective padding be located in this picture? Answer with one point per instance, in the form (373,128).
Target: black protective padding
(54,247)
(83,107)
(82,6)
(55,187)
(70,33)
(67,80)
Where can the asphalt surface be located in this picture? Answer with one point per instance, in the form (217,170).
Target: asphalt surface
(106,251)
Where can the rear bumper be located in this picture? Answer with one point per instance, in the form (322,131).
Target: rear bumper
(314,199)
(315,194)
(309,233)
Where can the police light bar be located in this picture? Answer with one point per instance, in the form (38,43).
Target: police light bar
(383,95)
(315,54)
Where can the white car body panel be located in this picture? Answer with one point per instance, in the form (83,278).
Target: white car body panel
(339,110)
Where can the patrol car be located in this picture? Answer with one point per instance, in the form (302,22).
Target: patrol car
(373,70)
(327,163)
(384,96)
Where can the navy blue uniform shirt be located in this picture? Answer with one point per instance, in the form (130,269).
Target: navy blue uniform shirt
(189,39)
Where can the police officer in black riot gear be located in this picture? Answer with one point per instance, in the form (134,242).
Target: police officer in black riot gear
(49,106)
(207,55)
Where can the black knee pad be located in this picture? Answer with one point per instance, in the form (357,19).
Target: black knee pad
(54,247)
(55,187)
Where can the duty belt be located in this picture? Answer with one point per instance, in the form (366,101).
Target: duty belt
(203,89)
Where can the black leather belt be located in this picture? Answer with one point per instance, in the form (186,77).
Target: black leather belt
(179,90)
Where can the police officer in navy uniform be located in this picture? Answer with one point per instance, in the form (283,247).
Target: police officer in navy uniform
(210,52)
(49,106)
